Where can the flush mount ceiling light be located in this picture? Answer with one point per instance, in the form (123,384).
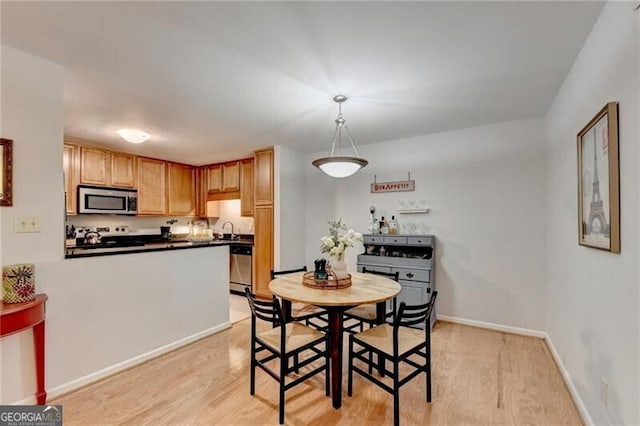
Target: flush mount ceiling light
(133,135)
(336,166)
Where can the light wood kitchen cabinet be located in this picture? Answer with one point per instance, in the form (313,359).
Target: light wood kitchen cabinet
(263,176)
(94,166)
(263,221)
(263,250)
(70,167)
(223,177)
(151,187)
(180,189)
(200,194)
(106,168)
(246,187)
(231,176)
(123,170)
(213,178)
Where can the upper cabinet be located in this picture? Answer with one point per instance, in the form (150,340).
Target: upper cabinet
(231,176)
(225,181)
(106,168)
(213,178)
(222,178)
(263,176)
(164,188)
(95,166)
(151,187)
(70,167)
(246,187)
(180,190)
(123,170)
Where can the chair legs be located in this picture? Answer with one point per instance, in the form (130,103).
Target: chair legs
(350,372)
(396,394)
(379,361)
(252,386)
(428,372)
(284,362)
(327,376)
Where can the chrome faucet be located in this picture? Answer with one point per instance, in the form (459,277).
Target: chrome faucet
(231,223)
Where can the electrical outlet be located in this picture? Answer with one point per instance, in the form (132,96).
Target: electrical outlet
(604,391)
(27,224)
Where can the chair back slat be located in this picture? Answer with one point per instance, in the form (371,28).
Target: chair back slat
(393,275)
(269,311)
(414,314)
(288,271)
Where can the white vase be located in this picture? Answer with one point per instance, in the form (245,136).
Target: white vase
(339,264)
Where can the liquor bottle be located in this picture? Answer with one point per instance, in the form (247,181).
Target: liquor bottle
(393,226)
(385,226)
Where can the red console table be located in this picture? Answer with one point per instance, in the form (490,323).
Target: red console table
(15,317)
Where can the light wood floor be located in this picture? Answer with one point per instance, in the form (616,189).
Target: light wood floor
(479,377)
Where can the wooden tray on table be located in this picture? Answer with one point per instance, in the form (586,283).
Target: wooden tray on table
(333,283)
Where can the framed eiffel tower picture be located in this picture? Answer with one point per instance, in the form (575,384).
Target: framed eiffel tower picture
(599,181)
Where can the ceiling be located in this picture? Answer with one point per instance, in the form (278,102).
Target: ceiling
(212,81)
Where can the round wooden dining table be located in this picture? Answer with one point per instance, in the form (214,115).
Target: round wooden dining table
(365,288)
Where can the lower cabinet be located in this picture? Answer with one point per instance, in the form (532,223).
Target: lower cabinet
(413,293)
(411,256)
(262,250)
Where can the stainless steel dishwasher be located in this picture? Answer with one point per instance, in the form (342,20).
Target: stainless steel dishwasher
(240,268)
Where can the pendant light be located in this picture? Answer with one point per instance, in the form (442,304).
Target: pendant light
(340,166)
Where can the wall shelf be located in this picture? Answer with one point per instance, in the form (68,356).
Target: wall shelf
(412,206)
(407,211)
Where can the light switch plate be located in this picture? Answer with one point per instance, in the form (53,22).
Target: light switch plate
(27,224)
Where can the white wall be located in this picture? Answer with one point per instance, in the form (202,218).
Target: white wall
(289,217)
(592,297)
(32,115)
(102,312)
(485,189)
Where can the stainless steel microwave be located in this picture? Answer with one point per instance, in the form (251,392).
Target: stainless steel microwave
(97,199)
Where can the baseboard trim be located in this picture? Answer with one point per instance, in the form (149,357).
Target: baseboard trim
(493,326)
(582,409)
(124,365)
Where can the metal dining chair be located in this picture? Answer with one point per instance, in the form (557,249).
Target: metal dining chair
(399,344)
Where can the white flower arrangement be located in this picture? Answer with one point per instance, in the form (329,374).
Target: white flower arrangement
(335,244)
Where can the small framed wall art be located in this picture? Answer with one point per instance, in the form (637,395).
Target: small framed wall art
(599,181)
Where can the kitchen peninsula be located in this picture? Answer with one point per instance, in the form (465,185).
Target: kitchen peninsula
(133,307)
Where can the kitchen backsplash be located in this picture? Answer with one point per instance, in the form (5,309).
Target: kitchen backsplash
(229,211)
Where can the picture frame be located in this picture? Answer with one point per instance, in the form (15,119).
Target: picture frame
(599,181)
(6,172)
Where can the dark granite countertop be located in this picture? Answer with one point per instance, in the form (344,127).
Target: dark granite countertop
(77,252)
